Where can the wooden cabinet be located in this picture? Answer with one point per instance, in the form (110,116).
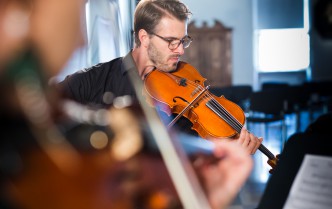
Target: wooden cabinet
(210,53)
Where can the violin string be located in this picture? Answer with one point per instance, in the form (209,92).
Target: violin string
(262,148)
(225,117)
(233,122)
(237,126)
(222,111)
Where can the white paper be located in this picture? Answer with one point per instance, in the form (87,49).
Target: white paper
(312,187)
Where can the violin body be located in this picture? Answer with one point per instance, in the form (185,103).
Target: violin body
(172,92)
(183,92)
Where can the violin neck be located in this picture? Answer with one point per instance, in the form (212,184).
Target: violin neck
(266,151)
(261,148)
(234,123)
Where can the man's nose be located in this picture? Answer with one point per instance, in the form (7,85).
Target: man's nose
(180,49)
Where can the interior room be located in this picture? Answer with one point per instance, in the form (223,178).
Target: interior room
(257,45)
(271,59)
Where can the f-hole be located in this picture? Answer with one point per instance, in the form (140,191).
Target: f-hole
(177,97)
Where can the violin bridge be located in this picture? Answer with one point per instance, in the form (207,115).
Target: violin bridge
(183,82)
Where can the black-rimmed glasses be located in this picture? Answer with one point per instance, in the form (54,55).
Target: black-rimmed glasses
(175,43)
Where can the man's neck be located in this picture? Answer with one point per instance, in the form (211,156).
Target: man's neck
(143,64)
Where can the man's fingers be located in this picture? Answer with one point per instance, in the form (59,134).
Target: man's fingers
(252,144)
(258,141)
(243,135)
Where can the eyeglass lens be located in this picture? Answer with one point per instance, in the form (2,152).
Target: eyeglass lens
(176,43)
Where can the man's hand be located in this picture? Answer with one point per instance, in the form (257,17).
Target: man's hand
(249,141)
(222,179)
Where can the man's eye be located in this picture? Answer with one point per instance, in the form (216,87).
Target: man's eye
(174,42)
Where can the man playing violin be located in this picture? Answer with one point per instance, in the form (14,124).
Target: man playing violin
(36,177)
(160,29)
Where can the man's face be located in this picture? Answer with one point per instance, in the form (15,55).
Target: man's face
(159,53)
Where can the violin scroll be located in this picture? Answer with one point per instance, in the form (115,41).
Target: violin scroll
(273,163)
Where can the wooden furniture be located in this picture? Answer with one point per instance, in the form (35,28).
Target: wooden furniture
(210,52)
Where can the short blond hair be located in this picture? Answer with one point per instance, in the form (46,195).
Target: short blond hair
(148,14)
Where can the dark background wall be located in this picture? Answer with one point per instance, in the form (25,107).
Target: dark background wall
(321,39)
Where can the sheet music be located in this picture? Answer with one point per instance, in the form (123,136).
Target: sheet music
(312,187)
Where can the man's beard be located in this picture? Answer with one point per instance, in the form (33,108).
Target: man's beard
(156,57)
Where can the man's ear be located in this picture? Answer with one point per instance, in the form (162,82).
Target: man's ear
(144,37)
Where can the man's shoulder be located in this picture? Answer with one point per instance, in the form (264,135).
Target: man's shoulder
(95,75)
(110,65)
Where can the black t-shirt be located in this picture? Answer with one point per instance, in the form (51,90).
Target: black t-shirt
(98,85)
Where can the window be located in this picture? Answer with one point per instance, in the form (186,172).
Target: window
(281,49)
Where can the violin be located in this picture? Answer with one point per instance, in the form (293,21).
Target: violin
(72,161)
(183,92)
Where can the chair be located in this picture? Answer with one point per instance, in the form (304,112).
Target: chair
(266,107)
(297,98)
(320,93)
(239,94)
(274,85)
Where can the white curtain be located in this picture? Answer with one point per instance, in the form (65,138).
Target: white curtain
(108,26)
